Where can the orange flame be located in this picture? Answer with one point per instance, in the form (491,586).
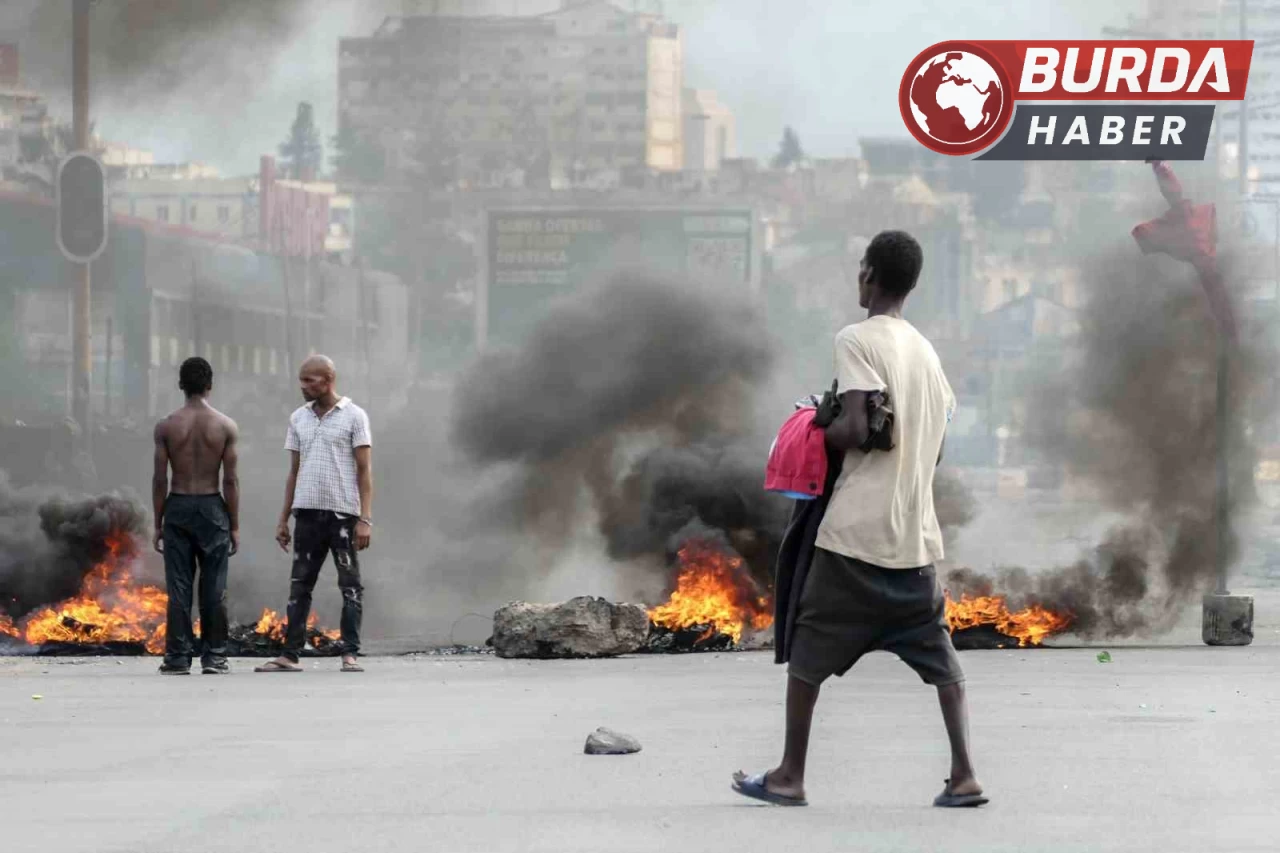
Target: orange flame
(1029,626)
(112,607)
(270,624)
(713,588)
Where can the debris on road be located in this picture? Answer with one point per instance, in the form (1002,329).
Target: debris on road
(608,742)
(582,627)
(1104,657)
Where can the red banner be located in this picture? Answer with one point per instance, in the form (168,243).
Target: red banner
(294,221)
(9,65)
(1125,70)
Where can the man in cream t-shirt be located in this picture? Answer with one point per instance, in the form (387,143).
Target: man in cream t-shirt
(872,584)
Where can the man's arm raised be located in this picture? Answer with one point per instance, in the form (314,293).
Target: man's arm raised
(159,482)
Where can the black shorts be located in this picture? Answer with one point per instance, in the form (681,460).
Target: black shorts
(849,608)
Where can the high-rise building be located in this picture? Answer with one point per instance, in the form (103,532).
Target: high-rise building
(565,96)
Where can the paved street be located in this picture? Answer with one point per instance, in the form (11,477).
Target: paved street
(1169,748)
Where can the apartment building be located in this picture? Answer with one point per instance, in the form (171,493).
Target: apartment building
(583,93)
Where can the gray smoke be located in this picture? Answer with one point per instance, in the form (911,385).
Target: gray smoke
(1133,415)
(642,396)
(154,47)
(50,541)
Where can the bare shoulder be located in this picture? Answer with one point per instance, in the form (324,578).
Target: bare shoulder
(165,425)
(228,423)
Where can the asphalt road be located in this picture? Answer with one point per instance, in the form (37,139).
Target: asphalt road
(1170,748)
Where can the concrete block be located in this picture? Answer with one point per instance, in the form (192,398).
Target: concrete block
(1228,620)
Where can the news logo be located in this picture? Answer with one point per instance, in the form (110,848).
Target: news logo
(1006,98)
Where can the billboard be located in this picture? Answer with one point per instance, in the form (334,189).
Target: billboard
(534,256)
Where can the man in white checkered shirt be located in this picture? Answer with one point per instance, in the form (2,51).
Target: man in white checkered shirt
(329,493)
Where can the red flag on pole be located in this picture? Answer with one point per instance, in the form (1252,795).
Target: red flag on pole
(1189,232)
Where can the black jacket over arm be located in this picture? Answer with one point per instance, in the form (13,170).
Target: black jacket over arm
(795,555)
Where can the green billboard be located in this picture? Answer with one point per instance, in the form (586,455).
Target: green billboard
(535,256)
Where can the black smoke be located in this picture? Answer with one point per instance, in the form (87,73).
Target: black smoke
(643,396)
(49,542)
(1134,416)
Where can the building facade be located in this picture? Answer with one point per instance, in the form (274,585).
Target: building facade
(710,133)
(581,94)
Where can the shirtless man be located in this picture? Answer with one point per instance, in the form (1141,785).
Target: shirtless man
(195,523)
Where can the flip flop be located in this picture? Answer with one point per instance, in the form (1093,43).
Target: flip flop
(276,666)
(352,667)
(948,800)
(754,787)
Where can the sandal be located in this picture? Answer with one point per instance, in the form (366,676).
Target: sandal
(278,666)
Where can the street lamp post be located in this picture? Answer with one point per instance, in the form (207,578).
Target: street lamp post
(82,351)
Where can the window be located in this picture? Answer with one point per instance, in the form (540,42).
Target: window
(257,360)
(162,212)
(224,214)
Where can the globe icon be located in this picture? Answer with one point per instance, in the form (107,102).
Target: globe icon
(956,97)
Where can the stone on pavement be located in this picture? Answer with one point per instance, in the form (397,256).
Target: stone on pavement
(608,742)
(582,627)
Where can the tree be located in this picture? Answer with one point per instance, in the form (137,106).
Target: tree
(356,158)
(302,153)
(789,151)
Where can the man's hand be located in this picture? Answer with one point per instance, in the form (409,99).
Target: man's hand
(235,542)
(364,533)
(283,537)
(157,541)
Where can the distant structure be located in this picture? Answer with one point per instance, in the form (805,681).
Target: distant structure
(517,92)
(710,132)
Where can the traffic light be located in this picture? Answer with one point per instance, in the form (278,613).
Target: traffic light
(82,207)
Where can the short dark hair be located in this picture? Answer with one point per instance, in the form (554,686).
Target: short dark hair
(896,258)
(195,376)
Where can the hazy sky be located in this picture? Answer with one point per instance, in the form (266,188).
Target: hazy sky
(829,68)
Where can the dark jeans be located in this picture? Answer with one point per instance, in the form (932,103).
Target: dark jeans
(197,532)
(316,533)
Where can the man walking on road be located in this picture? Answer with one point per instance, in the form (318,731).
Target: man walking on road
(329,492)
(871,585)
(195,524)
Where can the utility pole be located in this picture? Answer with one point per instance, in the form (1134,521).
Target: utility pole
(1244,115)
(82,350)
(1224,362)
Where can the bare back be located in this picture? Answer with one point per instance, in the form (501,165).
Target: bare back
(197,440)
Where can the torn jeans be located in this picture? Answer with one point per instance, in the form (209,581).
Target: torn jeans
(317,533)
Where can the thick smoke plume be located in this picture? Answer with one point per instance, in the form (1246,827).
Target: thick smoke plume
(49,542)
(641,396)
(1134,417)
(157,46)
